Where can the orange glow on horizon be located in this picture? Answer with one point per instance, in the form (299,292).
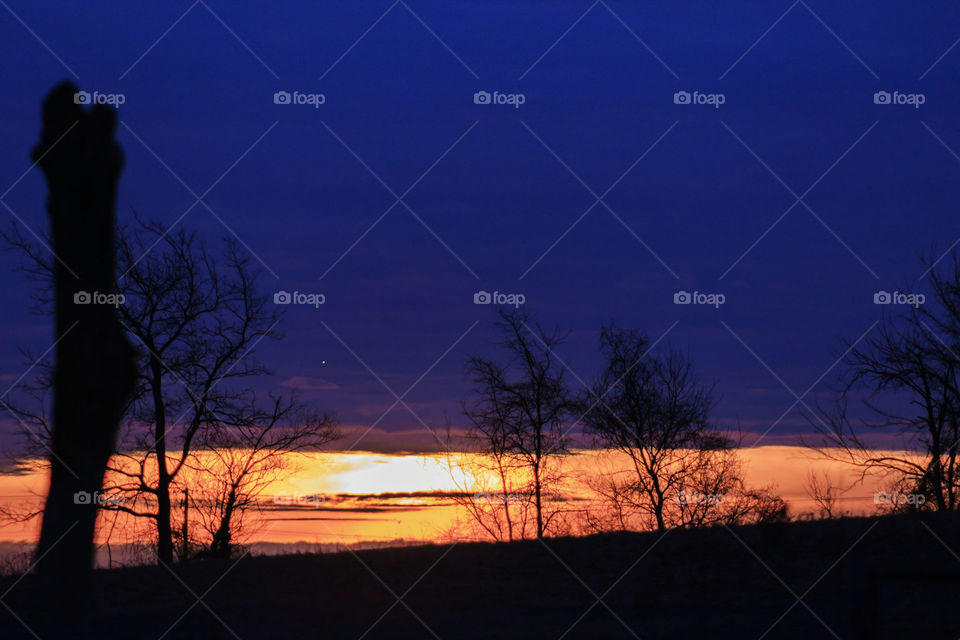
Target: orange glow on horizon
(349,482)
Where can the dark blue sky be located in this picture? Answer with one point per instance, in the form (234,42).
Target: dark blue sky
(798,112)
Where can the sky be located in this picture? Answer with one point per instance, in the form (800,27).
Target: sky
(340,497)
(791,160)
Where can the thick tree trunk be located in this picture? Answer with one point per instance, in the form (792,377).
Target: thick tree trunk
(94,369)
(505,488)
(221,544)
(538,495)
(658,513)
(164,511)
(164,481)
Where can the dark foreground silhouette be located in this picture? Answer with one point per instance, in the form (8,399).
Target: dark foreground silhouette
(94,368)
(860,577)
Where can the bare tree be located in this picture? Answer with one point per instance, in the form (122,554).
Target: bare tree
(680,471)
(491,487)
(825,493)
(905,374)
(195,320)
(240,461)
(518,415)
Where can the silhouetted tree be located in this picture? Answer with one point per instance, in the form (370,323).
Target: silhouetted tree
(906,374)
(521,406)
(94,367)
(681,472)
(195,320)
(240,460)
(825,493)
(491,485)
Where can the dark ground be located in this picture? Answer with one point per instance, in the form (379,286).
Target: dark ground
(858,578)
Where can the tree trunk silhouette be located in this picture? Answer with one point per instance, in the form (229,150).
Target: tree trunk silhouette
(220,545)
(520,409)
(538,498)
(164,511)
(164,504)
(94,370)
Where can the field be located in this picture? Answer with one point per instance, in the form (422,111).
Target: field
(891,577)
